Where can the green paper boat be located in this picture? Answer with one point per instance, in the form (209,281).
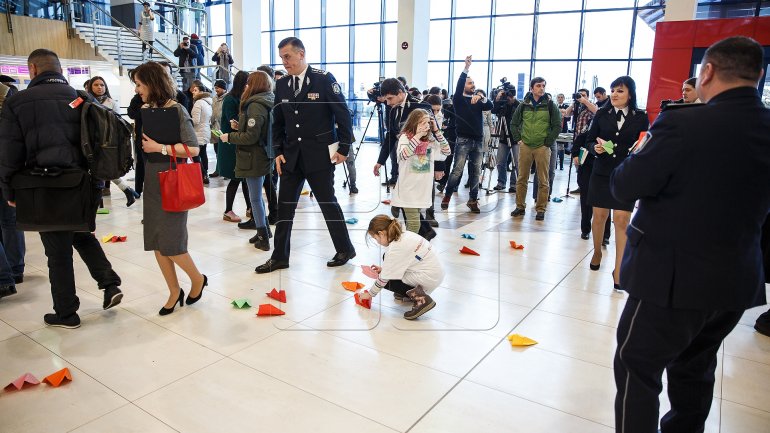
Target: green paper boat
(102,211)
(609,147)
(241,303)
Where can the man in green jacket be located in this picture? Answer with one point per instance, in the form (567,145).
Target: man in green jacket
(535,125)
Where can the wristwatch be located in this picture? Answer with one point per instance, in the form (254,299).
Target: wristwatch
(163,150)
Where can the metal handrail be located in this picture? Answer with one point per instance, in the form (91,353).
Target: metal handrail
(130,30)
(182,32)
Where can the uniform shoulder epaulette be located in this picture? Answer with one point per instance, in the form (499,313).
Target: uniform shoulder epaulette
(679,106)
(318,71)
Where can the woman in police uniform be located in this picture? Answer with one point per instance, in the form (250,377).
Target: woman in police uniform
(613,132)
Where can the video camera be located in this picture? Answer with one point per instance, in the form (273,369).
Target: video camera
(505,86)
(376,88)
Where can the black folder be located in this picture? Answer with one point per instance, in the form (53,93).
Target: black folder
(162,124)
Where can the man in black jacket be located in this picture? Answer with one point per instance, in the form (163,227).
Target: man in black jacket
(40,127)
(399,105)
(312,132)
(689,274)
(470,136)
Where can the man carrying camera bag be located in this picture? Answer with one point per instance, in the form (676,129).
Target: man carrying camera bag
(40,154)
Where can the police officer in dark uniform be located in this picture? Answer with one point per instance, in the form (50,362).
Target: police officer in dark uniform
(309,103)
(690,272)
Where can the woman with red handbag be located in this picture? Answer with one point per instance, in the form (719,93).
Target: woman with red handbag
(165,232)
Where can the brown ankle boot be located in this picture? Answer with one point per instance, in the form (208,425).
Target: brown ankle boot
(422,303)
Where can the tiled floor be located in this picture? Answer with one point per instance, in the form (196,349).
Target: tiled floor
(328,365)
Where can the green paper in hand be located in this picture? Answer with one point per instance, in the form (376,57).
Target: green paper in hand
(216,132)
(609,147)
(241,303)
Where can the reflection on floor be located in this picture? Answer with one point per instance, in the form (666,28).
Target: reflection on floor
(328,365)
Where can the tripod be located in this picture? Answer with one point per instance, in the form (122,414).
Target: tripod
(490,161)
(567,138)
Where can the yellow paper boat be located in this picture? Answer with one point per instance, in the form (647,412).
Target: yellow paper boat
(520,340)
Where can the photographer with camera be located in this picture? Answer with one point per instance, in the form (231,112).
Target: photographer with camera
(399,105)
(187,55)
(504,106)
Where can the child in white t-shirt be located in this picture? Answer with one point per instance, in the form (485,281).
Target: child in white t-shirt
(410,267)
(420,143)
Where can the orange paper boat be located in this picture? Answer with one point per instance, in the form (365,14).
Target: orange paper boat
(269,310)
(25,379)
(352,285)
(466,250)
(520,340)
(366,303)
(278,296)
(516,246)
(57,378)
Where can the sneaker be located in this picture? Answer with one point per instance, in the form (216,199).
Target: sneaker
(248,225)
(7,290)
(445,202)
(112,297)
(605,242)
(206,180)
(353,189)
(440,187)
(518,212)
(499,187)
(473,205)
(214,174)
(512,189)
(69,322)
(540,216)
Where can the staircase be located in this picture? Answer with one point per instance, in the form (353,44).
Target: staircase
(123,48)
(116,44)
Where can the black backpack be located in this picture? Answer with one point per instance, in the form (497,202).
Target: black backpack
(106,140)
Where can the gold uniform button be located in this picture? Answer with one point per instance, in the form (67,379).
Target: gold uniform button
(298,125)
(299,139)
(296,112)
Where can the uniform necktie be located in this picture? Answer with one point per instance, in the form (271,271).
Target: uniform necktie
(620,115)
(296,85)
(397,117)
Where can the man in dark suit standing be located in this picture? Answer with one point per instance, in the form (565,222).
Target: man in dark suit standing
(309,103)
(690,273)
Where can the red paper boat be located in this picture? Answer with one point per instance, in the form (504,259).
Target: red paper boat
(278,296)
(466,250)
(516,246)
(366,303)
(352,285)
(57,378)
(269,310)
(19,383)
(386,202)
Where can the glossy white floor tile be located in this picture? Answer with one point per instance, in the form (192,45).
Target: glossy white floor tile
(328,365)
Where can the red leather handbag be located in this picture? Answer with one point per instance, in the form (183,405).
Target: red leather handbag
(181,186)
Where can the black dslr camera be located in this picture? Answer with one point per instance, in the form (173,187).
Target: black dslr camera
(505,86)
(664,103)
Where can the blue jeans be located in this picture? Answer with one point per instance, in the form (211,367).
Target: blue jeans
(255,197)
(466,149)
(504,154)
(551,173)
(13,240)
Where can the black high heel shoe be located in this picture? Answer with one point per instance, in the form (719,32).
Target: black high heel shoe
(616,286)
(166,311)
(190,299)
(594,267)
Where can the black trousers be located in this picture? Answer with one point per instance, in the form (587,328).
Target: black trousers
(448,163)
(398,286)
(203,159)
(321,182)
(684,343)
(58,249)
(139,167)
(586,210)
